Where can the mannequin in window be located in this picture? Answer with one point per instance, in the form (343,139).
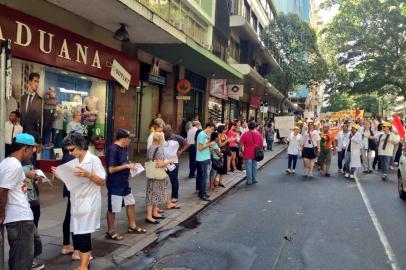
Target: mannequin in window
(90,111)
(31,107)
(57,126)
(49,116)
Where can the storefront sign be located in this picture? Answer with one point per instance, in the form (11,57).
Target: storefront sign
(255,101)
(218,88)
(183,87)
(235,91)
(120,74)
(183,97)
(36,40)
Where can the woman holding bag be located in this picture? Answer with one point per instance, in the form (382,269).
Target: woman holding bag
(156,188)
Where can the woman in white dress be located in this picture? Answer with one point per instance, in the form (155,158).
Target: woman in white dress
(85,198)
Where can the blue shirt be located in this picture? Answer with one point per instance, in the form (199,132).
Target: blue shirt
(117,156)
(203,155)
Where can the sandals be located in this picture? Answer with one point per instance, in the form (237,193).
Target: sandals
(136,230)
(114,236)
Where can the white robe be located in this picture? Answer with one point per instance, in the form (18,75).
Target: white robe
(356,145)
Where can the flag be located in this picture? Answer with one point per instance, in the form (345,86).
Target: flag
(357,112)
(398,125)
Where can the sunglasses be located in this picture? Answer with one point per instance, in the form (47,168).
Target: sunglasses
(70,149)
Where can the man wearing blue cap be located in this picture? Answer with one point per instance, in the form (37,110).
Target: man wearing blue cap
(15,211)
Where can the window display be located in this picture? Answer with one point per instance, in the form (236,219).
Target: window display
(53,102)
(215,109)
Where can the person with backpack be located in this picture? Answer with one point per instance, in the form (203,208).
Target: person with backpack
(249,143)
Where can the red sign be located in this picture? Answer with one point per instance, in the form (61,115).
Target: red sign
(255,101)
(42,42)
(183,87)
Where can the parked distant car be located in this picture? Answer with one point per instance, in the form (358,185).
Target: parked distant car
(402,177)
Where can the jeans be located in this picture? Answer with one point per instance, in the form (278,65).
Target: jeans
(25,244)
(347,163)
(192,160)
(203,172)
(269,143)
(340,156)
(292,159)
(173,176)
(385,160)
(36,212)
(251,167)
(366,156)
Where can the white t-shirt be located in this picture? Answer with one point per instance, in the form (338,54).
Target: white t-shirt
(340,137)
(294,143)
(12,178)
(171,147)
(86,201)
(191,135)
(314,136)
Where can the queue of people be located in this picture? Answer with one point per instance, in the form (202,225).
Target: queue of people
(359,144)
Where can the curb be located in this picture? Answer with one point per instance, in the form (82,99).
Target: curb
(116,260)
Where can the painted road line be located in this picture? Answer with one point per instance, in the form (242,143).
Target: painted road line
(378,227)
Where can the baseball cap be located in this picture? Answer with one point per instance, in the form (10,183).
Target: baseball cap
(356,127)
(25,138)
(124,133)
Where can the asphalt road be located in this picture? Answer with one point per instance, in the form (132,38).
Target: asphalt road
(291,222)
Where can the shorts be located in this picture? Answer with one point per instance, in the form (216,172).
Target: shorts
(325,157)
(213,173)
(234,149)
(82,242)
(116,202)
(309,153)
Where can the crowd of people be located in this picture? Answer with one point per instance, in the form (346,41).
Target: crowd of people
(370,144)
(214,151)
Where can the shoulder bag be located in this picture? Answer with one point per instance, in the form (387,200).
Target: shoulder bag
(259,152)
(316,153)
(152,171)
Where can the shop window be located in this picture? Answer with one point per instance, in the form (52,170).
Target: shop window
(215,109)
(69,101)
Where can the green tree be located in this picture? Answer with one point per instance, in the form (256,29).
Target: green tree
(295,42)
(338,102)
(365,46)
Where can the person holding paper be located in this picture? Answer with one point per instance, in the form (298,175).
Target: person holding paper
(88,175)
(15,211)
(118,186)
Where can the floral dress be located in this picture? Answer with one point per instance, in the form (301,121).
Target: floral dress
(156,189)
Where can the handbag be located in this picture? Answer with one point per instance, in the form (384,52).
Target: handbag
(217,163)
(152,171)
(316,153)
(259,152)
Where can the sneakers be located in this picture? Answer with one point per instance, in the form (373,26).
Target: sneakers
(347,175)
(293,171)
(37,266)
(288,171)
(352,176)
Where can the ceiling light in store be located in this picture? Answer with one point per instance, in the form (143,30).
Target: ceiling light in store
(122,34)
(67,91)
(83,77)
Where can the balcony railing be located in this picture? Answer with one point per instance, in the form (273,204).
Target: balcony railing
(179,16)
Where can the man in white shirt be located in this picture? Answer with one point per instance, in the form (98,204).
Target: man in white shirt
(15,211)
(191,134)
(340,139)
(386,143)
(12,128)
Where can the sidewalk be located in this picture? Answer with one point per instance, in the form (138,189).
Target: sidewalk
(109,253)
